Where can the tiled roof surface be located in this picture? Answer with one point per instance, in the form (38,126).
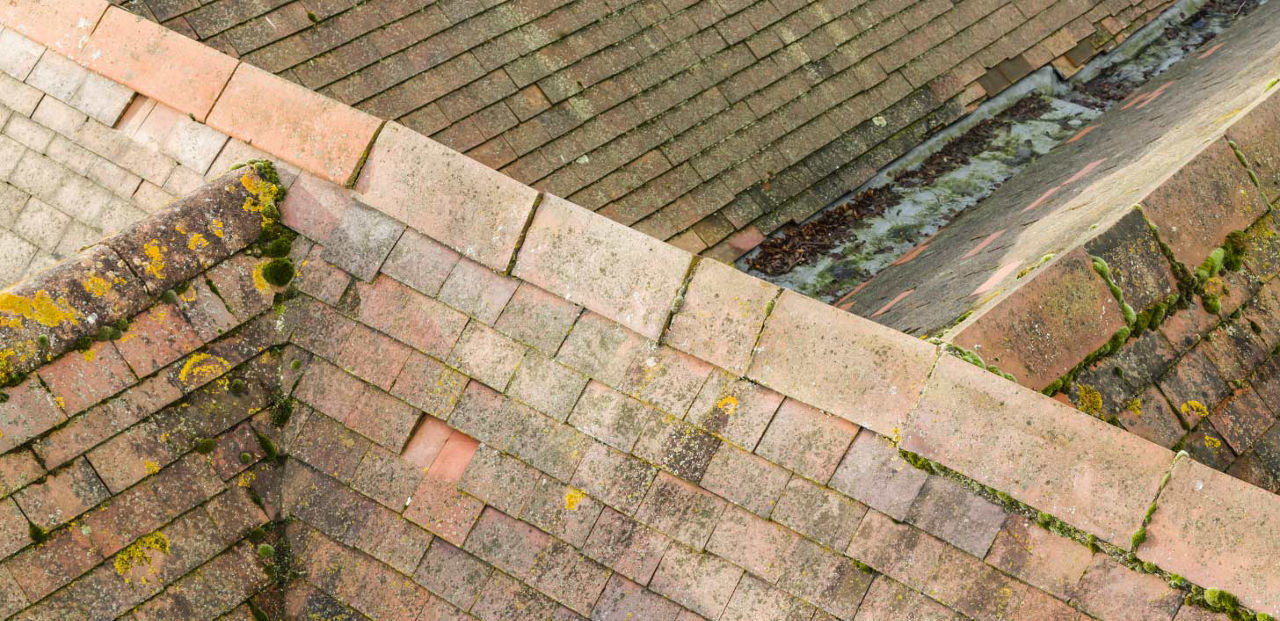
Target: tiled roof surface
(521,409)
(689,119)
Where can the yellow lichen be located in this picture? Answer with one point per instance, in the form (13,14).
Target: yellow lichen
(138,554)
(196,241)
(246,479)
(97,286)
(202,367)
(215,227)
(41,308)
(1194,407)
(89,354)
(728,405)
(1089,400)
(1212,442)
(1134,406)
(155,257)
(572,498)
(259,281)
(150,466)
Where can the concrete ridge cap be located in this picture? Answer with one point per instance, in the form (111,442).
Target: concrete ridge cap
(56,310)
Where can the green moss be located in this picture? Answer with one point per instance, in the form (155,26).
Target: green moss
(266,550)
(1212,304)
(1233,251)
(257,612)
(169,296)
(43,341)
(278,272)
(269,449)
(1220,600)
(1044,519)
(1138,537)
(204,446)
(83,343)
(295,364)
(38,535)
(1150,567)
(281,409)
(278,247)
(4,397)
(246,458)
(1091,542)
(238,387)
(257,535)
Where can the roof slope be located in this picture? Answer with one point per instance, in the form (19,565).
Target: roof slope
(690,120)
(474,399)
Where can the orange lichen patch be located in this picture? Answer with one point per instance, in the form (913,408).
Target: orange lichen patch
(155,256)
(138,554)
(41,308)
(201,368)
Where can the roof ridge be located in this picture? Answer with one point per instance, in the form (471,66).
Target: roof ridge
(71,304)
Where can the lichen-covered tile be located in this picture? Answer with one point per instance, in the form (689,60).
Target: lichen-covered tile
(819,513)
(486,355)
(566,512)
(623,599)
(806,440)
(360,240)
(499,480)
(452,574)
(546,385)
(420,262)
(1041,558)
(873,473)
(477,290)
(736,410)
(702,582)
(721,315)
(611,417)
(756,599)
(745,479)
(681,510)
(428,385)
(618,479)
(537,318)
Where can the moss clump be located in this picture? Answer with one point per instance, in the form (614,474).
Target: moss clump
(295,364)
(281,409)
(257,612)
(1233,251)
(277,247)
(246,458)
(278,272)
(1220,600)
(1138,537)
(238,387)
(257,535)
(1091,542)
(169,296)
(37,534)
(266,550)
(204,446)
(269,449)
(43,341)
(1044,519)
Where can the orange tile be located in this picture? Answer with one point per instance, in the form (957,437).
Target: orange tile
(157,62)
(302,127)
(59,24)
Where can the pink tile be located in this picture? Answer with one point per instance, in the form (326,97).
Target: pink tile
(60,24)
(157,62)
(304,128)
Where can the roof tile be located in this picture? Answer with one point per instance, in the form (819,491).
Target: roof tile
(62,496)
(1090,474)
(681,509)
(81,379)
(1040,558)
(315,133)
(745,479)
(819,513)
(155,338)
(457,201)
(737,410)
(486,355)
(951,512)
(29,411)
(60,25)
(477,290)
(700,581)
(420,262)
(1109,591)
(841,363)
(721,315)
(360,240)
(757,545)
(452,574)
(623,599)
(1201,513)
(756,599)
(546,385)
(593,261)
(565,512)
(806,440)
(618,479)
(428,385)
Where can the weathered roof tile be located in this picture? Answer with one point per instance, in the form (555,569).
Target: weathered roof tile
(591,260)
(441,193)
